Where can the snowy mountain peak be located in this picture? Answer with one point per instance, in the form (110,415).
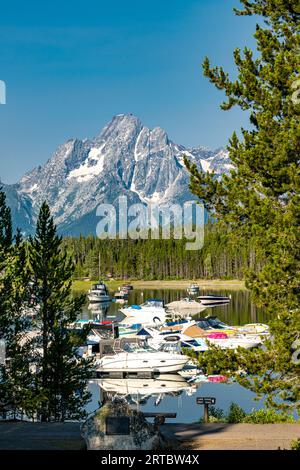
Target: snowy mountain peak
(126,158)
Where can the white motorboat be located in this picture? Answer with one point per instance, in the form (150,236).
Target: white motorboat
(157,338)
(121,295)
(151,312)
(98,293)
(254,328)
(135,358)
(214,299)
(185,307)
(193,289)
(169,341)
(126,287)
(95,297)
(227,343)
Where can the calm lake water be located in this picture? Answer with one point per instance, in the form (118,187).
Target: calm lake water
(172,393)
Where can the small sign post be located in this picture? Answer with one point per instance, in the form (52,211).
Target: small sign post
(206,401)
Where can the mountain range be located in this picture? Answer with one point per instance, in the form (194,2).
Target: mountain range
(125,158)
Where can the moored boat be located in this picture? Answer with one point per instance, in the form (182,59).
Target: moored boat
(193,289)
(213,299)
(152,312)
(135,358)
(121,295)
(127,287)
(98,293)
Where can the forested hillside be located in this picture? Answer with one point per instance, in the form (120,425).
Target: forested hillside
(162,259)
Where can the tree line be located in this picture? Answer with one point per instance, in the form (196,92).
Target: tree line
(163,259)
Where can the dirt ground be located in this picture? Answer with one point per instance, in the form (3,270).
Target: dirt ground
(218,436)
(40,436)
(66,436)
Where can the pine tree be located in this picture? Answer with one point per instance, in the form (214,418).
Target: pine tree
(260,200)
(61,374)
(16,374)
(18,390)
(5,248)
(6,240)
(5,227)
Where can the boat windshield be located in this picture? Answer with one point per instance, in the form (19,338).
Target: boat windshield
(216,323)
(189,344)
(170,347)
(153,303)
(138,348)
(204,325)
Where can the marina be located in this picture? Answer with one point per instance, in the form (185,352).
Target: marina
(150,389)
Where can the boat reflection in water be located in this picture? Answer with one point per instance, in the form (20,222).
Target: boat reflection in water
(139,390)
(99,311)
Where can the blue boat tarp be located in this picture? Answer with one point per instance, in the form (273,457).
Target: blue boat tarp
(179,322)
(144,333)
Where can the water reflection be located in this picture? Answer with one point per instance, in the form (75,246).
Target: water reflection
(139,390)
(149,397)
(239,311)
(96,311)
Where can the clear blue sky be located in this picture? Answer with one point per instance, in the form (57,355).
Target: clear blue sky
(69,66)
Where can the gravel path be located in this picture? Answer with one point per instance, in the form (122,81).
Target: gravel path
(40,436)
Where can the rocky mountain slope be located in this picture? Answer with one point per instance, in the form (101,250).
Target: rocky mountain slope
(126,158)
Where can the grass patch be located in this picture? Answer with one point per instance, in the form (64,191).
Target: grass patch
(232,284)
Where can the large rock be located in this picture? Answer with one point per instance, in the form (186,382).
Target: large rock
(143,435)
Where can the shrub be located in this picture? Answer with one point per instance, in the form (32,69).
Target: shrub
(216,415)
(265,416)
(295,445)
(236,414)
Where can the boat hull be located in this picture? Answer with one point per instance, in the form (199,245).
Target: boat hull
(213,299)
(98,299)
(127,363)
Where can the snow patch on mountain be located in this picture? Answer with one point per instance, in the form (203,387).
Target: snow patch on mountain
(218,163)
(92,167)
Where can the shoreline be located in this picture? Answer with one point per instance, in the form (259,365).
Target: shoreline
(215,284)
